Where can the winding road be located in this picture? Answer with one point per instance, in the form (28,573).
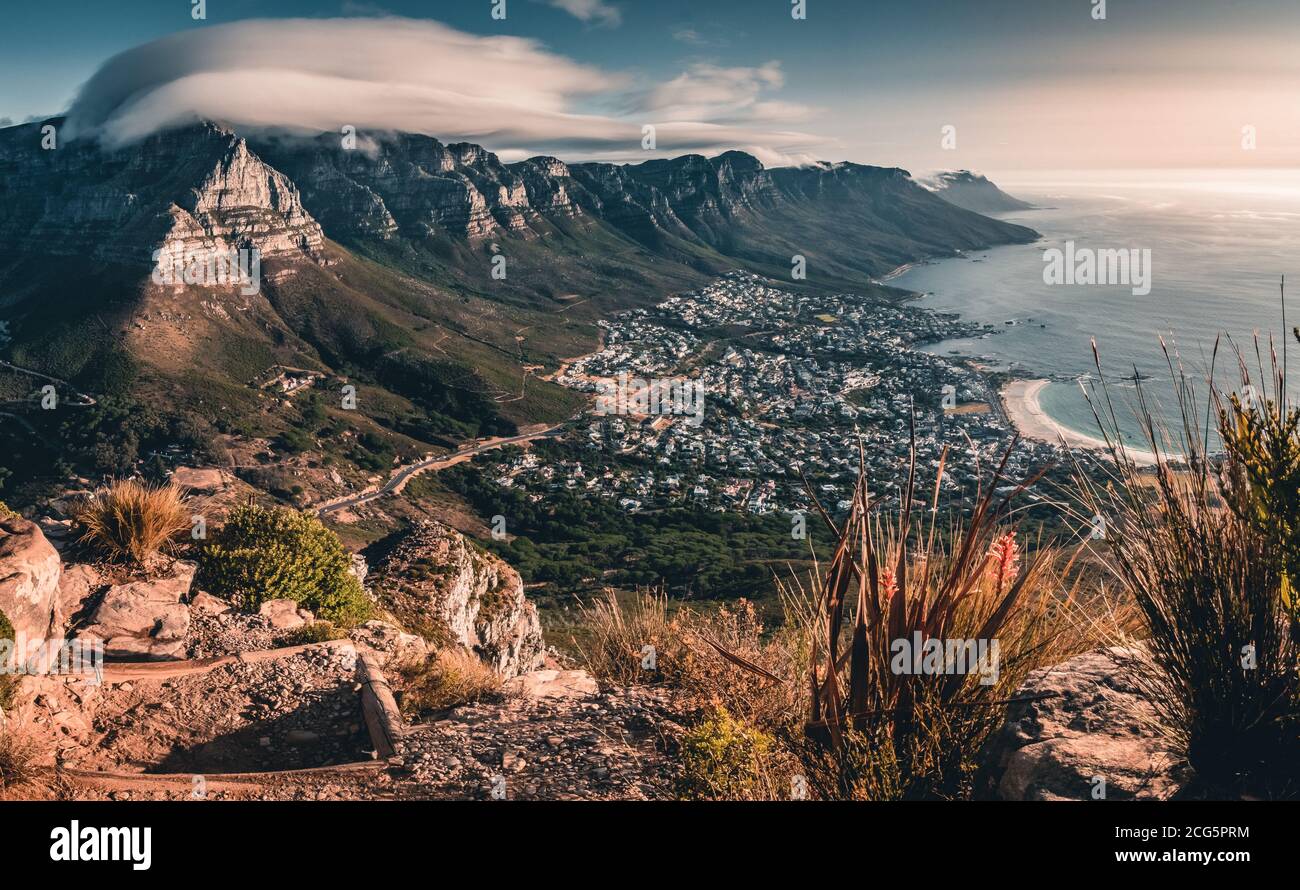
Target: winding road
(404,474)
(86,400)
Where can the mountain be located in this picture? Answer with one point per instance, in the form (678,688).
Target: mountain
(414,199)
(378,270)
(974,192)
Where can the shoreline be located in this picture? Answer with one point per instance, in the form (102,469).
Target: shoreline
(1020,399)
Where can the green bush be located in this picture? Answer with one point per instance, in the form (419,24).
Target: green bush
(262,554)
(316,632)
(5,512)
(8,682)
(722,759)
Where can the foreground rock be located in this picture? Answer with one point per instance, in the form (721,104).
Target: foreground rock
(1089,719)
(285,614)
(295,712)
(29,579)
(389,642)
(440,585)
(77,588)
(146,620)
(552,684)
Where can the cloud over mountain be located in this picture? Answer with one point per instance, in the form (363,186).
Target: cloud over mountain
(379,74)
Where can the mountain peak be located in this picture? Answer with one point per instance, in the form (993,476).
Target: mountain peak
(972,191)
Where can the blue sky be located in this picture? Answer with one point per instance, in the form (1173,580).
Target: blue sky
(1025,83)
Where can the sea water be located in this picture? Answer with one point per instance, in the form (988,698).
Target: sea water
(1220,243)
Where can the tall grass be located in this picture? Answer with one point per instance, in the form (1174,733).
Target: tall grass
(725,658)
(1203,542)
(133,520)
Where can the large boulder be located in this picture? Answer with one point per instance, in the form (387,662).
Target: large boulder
(146,620)
(1073,723)
(552,684)
(29,579)
(439,584)
(77,588)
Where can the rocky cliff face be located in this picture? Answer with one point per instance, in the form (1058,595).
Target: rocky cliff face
(415,187)
(191,188)
(437,584)
(206,186)
(418,187)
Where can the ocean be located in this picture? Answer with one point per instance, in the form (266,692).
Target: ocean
(1219,241)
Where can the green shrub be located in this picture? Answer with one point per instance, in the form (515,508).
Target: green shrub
(722,759)
(8,682)
(5,512)
(316,632)
(262,554)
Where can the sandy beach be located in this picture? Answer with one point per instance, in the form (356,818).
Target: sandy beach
(1020,398)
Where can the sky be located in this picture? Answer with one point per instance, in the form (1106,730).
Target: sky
(992,85)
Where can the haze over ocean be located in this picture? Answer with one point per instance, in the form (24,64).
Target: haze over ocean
(1220,243)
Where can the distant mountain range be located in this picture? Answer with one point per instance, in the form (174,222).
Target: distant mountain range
(378,262)
(974,192)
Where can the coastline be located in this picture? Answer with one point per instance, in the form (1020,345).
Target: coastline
(1020,398)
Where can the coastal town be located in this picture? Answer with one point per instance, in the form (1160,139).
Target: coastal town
(794,390)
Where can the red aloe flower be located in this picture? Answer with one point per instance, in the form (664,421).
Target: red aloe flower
(888,583)
(1006,559)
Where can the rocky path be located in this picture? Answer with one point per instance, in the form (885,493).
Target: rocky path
(580,745)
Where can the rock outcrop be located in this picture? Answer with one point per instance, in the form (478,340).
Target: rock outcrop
(29,579)
(1082,721)
(438,584)
(145,620)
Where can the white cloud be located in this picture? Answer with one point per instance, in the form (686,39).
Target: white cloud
(507,93)
(709,92)
(590,11)
(695,37)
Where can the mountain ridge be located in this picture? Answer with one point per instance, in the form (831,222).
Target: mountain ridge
(378,266)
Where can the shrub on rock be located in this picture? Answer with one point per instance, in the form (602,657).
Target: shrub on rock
(263,554)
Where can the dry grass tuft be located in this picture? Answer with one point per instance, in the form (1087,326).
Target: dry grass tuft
(618,634)
(442,680)
(20,758)
(133,520)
